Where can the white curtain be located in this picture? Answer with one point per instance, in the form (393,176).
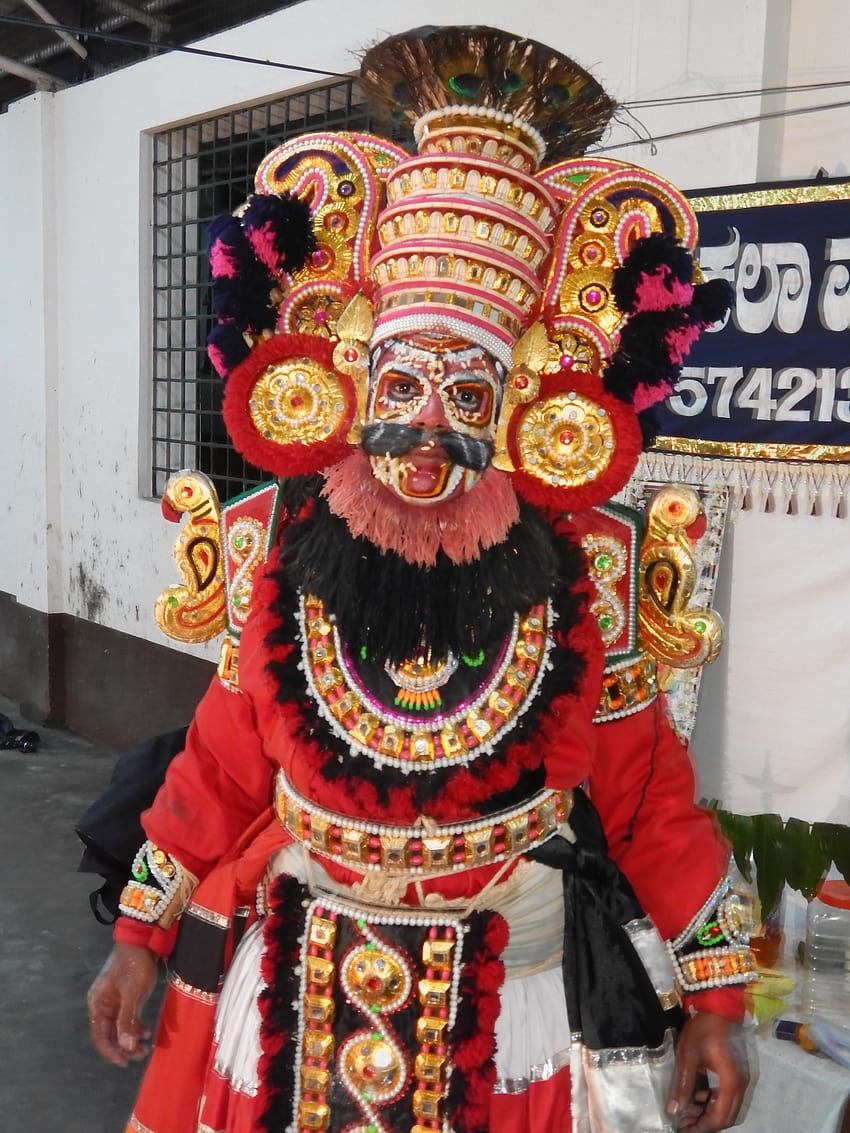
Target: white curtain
(773,726)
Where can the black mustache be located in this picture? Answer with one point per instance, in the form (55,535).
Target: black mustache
(385,438)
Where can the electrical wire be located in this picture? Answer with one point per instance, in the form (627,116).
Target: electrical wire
(729,96)
(132,41)
(627,107)
(654,139)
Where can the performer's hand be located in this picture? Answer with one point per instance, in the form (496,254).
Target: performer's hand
(115,1003)
(709,1043)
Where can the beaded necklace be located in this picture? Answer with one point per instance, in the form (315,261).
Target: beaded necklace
(391,737)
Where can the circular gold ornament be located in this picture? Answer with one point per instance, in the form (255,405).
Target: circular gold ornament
(586,292)
(370,1065)
(566,440)
(376,978)
(297,401)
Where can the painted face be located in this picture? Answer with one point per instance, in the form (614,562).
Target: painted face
(431,419)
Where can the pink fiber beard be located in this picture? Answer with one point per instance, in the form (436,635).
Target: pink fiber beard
(462,527)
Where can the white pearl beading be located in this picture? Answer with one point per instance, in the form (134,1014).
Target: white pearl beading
(486,114)
(704,914)
(285,794)
(158,897)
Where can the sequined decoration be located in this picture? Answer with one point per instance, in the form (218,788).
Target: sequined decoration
(419,681)
(155,880)
(347,953)
(246,546)
(607,561)
(566,440)
(627,689)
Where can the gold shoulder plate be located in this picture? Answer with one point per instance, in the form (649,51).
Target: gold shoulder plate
(677,635)
(196,610)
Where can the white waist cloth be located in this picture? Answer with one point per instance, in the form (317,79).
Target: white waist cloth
(532,1031)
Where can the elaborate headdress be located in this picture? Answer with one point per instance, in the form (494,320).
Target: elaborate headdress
(575,272)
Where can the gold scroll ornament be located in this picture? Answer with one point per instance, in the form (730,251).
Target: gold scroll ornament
(196,610)
(680,637)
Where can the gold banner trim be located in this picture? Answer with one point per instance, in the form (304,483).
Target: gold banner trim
(779,195)
(751,450)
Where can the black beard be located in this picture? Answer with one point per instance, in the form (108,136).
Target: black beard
(394,608)
(385,438)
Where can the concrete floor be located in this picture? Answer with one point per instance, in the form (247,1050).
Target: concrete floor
(51,946)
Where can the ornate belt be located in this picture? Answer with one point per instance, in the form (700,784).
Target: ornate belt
(425,847)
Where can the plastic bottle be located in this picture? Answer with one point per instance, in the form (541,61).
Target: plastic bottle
(826,988)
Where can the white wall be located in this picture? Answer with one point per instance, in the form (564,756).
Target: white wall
(74,213)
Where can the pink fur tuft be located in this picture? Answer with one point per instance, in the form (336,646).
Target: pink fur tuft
(679,342)
(656,291)
(217,358)
(645,396)
(462,527)
(222,262)
(262,244)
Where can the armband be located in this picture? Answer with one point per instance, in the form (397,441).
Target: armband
(159,889)
(714,949)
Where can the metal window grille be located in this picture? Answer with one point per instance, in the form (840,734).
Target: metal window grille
(200,171)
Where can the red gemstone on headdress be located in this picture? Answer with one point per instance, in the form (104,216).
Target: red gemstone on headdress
(296,401)
(320,258)
(187,492)
(320,317)
(351,355)
(593,296)
(566,361)
(566,438)
(520,382)
(675,508)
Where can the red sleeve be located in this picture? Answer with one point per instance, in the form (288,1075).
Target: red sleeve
(160,941)
(642,785)
(219,784)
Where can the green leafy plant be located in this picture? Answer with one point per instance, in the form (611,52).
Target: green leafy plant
(792,851)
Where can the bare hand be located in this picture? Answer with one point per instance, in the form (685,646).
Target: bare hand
(115,1003)
(709,1043)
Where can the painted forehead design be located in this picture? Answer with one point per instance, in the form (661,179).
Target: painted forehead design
(397,352)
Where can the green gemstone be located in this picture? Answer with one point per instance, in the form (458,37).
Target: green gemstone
(377,1036)
(361,925)
(239,543)
(700,626)
(173,602)
(237,601)
(370,947)
(376,1008)
(606,621)
(141,874)
(363,652)
(603,562)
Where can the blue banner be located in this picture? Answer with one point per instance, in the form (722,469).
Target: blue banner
(774,378)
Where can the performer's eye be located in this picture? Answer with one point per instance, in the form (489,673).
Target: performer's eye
(471,399)
(401,389)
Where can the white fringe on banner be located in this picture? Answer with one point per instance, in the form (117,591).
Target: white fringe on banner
(787,488)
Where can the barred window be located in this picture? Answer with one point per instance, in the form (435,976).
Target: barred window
(200,171)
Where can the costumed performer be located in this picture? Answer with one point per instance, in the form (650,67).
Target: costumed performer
(430,859)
